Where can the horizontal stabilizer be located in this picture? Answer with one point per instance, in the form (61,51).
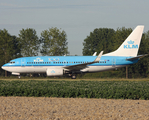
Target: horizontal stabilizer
(134,58)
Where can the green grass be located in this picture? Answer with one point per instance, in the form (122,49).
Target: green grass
(109,89)
(69,79)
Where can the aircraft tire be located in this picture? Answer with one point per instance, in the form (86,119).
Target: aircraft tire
(73,77)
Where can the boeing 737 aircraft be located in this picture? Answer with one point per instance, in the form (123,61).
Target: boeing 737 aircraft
(125,55)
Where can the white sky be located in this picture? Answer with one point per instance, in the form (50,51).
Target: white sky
(76,17)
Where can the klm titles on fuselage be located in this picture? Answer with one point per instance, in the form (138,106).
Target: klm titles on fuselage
(50,59)
(130,45)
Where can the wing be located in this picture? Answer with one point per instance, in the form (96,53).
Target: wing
(84,65)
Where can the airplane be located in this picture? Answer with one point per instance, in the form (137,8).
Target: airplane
(125,55)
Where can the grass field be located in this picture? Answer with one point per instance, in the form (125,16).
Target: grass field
(68,79)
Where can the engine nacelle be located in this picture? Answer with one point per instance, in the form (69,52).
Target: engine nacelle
(54,72)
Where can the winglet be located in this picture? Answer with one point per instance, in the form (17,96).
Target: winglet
(98,57)
(94,53)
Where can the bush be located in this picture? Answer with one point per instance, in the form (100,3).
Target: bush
(87,89)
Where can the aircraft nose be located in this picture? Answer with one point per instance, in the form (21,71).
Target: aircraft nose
(3,67)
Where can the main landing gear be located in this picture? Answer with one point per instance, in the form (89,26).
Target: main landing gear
(73,76)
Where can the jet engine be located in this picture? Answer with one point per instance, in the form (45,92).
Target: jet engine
(54,72)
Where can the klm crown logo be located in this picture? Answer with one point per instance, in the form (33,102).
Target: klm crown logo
(52,71)
(130,42)
(130,45)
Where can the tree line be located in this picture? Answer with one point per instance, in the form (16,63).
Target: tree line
(53,42)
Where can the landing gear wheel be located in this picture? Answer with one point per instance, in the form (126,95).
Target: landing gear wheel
(73,77)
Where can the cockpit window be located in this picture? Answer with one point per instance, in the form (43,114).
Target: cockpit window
(12,62)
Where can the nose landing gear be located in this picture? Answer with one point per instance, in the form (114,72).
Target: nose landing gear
(19,76)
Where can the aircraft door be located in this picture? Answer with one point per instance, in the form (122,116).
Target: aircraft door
(113,62)
(64,62)
(22,62)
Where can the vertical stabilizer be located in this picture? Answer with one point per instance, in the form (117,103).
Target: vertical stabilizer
(131,45)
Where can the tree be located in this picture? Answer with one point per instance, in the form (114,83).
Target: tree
(9,47)
(120,36)
(141,69)
(100,39)
(29,42)
(54,42)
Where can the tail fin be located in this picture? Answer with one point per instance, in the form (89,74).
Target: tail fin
(131,45)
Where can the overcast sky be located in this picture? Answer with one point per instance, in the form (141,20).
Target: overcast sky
(76,17)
